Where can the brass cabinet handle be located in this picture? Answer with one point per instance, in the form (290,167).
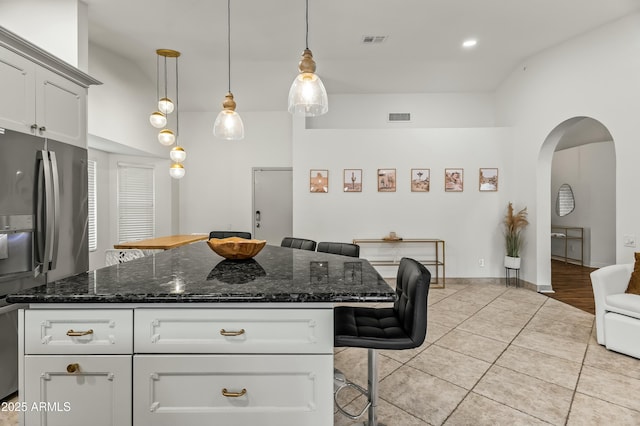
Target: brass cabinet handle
(232,333)
(228,394)
(72,333)
(73,368)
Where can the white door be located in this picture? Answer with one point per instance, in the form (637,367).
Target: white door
(272,204)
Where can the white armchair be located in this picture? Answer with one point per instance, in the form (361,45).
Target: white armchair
(617,313)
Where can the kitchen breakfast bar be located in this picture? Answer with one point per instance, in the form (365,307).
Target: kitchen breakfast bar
(187,337)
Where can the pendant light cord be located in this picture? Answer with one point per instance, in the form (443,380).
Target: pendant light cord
(306,39)
(157,77)
(229,44)
(165,76)
(177,104)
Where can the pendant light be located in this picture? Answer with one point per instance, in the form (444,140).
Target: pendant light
(307,96)
(228,124)
(159,119)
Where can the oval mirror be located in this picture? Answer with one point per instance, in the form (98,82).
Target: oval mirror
(565,203)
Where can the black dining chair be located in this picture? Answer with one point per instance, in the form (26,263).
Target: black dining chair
(227,234)
(298,243)
(402,326)
(344,249)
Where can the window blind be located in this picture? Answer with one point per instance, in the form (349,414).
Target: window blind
(136,202)
(93,213)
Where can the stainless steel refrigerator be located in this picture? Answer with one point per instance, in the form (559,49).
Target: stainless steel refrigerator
(43,226)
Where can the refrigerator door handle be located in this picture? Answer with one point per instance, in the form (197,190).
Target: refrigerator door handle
(40,235)
(48,212)
(55,178)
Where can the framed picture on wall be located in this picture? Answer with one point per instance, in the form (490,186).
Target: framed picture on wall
(453,180)
(386,180)
(488,180)
(319,180)
(352,180)
(420,180)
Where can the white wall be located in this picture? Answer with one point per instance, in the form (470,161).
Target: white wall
(439,110)
(216,191)
(595,75)
(590,171)
(59,27)
(119,108)
(469,221)
(107,200)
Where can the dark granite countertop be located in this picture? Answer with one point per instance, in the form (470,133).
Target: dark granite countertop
(195,274)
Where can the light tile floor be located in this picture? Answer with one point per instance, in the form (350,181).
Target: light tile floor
(496,356)
(499,356)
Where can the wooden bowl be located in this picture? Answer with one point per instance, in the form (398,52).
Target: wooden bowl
(236,248)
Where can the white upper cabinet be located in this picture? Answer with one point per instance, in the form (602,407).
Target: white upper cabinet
(41,95)
(18,86)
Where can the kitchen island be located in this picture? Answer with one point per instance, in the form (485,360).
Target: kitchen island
(187,337)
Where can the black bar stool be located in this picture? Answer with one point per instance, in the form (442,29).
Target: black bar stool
(403,326)
(298,243)
(344,249)
(227,234)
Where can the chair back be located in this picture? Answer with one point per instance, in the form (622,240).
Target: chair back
(227,234)
(298,243)
(412,290)
(115,256)
(344,249)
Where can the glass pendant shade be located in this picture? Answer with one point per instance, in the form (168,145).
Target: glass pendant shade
(228,124)
(158,120)
(177,171)
(165,105)
(178,154)
(307,96)
(166,137)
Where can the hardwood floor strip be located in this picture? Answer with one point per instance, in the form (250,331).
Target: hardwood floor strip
(572,285)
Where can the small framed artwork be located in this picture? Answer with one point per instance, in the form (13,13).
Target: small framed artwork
(453,180)
(488,180)
(319,181)
(420,180)
(386,180)
(352,180)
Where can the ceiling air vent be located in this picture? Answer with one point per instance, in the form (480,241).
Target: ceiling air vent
(399,116)
(370,39)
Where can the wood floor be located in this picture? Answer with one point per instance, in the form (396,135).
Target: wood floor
(572,285)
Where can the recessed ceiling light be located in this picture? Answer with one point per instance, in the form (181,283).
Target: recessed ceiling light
(468,44)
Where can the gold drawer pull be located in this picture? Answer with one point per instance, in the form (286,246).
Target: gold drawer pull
(232,333)
(72,333)
(73,368)
(228,394)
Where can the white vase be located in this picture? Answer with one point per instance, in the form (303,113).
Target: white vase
(512,262)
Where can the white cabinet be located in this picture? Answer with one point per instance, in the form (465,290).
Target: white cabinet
(38,101)
(201,390)
(234,331)
(188,366)
(95,331)
(77,367)
(77,390)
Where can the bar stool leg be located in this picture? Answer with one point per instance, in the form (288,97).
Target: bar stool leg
(372,377)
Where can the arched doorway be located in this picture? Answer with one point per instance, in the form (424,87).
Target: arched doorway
(585,146)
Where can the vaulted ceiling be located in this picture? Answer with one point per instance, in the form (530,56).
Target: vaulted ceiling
(422,51)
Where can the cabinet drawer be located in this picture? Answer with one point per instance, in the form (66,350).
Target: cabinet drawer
(95,331)
(200,390)
(97,392)
(234,331)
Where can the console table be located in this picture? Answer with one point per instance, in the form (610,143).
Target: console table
(569,233)
(432,256)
